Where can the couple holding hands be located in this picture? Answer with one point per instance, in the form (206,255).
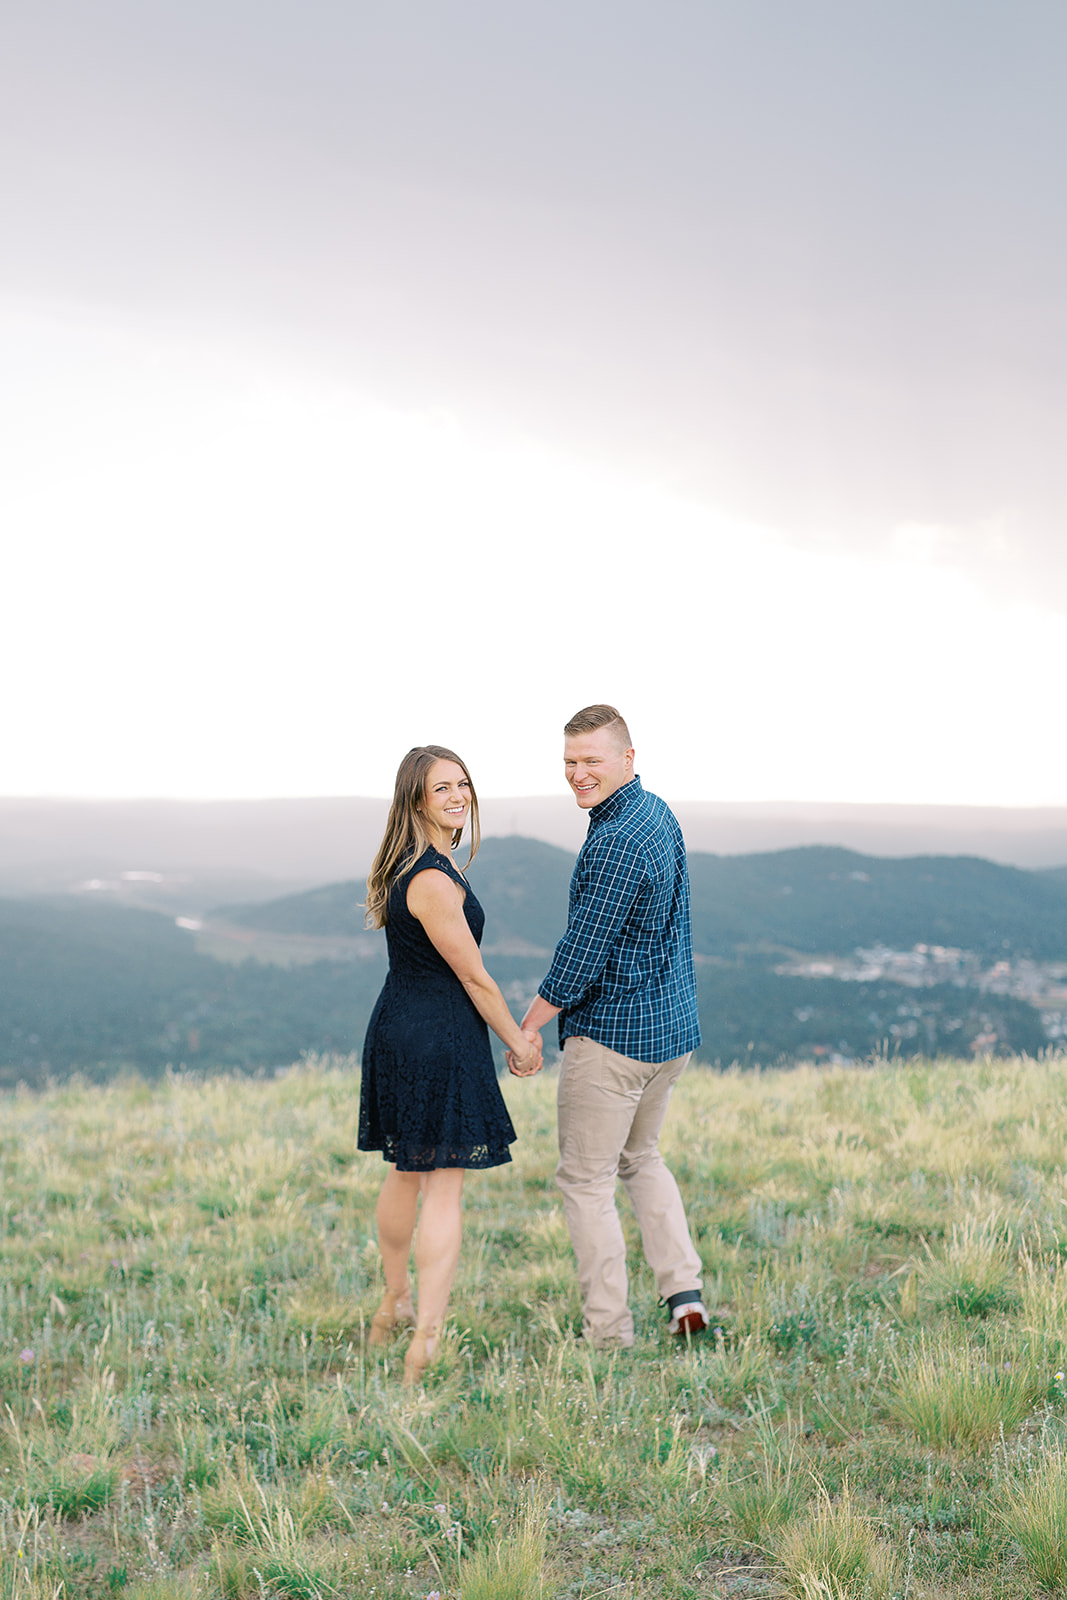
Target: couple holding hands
(621,985)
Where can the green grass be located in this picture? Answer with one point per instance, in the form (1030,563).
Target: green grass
(1033,1513)
(189,1411)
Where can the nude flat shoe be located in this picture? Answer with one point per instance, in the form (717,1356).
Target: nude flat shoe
(418,1356)
(391,1317)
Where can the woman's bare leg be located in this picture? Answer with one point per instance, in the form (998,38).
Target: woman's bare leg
(398,1202)
(437,1243)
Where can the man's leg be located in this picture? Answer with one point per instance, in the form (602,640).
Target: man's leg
(653,1192)
(596,1106)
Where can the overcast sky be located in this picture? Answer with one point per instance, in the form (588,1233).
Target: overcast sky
(375,374)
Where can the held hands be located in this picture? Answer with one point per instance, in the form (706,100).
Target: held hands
(530,1061)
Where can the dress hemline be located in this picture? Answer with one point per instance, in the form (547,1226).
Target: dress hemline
(473,1158)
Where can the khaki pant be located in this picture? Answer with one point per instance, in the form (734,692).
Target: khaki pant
(611,1110)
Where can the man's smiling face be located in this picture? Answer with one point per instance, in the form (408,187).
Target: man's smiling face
(596,764)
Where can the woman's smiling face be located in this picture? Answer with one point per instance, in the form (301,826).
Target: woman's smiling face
(446,800)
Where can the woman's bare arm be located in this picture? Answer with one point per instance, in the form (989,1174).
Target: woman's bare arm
(437,902)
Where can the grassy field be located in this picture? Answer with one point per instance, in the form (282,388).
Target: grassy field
(188,1409)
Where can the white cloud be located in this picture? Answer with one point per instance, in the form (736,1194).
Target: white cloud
(228,579)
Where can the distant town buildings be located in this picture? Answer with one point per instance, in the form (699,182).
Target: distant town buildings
(1041,984)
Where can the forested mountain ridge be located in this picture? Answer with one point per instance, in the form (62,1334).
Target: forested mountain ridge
(816,898)
(522,883)
(96,987)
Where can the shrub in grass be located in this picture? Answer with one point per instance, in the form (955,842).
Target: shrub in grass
(835,1555)
(200,1464)
(759,1501)
(1044,1305)
(71,1488)
(74,1494)
(1033,1514)
(757,1505)
(509,1569)
(949,1394)
(975,1275)
(276,1559)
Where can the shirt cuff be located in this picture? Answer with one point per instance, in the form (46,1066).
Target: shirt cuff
(553,996)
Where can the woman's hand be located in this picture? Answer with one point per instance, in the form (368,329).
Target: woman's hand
(530,1061)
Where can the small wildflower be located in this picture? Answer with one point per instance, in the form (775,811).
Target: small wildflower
(1059,1377)
(26,1356)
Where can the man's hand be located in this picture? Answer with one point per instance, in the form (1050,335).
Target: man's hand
(529,1063)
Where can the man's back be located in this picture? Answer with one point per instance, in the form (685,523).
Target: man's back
(623,972)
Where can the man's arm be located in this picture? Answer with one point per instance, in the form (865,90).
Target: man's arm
(538,1013)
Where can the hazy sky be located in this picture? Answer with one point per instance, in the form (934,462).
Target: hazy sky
(373,374)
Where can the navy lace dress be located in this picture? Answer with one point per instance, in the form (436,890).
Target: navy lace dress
(429,1095)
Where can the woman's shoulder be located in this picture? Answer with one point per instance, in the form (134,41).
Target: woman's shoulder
(431,860)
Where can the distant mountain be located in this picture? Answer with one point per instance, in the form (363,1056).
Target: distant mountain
(817,899)
(52,845)
(95,987)
(828,900)
(522,884)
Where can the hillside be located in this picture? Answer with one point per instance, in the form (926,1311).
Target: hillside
(824,899)
(747,911)
(94,987)
(522,883)
(818,899)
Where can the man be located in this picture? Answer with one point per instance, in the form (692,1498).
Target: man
(621,983)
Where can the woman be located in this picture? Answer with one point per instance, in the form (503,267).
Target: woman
(430,1101)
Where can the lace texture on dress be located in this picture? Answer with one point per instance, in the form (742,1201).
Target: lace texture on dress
(430,1096)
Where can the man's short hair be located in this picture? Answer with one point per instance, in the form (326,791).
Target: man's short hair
(592,718)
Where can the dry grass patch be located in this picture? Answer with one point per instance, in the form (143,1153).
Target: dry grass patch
(836,1554)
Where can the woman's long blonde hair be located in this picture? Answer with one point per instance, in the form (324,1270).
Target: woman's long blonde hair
(405,830)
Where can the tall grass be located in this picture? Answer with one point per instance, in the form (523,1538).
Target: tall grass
(950,1394)
(836,1554)
(189,1409)
(1033,1513)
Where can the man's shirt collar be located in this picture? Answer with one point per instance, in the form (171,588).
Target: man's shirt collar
(615,803)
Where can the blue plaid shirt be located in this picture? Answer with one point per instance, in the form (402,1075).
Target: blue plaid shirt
(623,972)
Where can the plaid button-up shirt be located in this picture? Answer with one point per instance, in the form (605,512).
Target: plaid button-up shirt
(623,972)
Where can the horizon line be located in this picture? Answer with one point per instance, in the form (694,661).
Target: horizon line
(1029,806)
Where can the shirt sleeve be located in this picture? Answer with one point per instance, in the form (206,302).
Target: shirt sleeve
(615,875)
